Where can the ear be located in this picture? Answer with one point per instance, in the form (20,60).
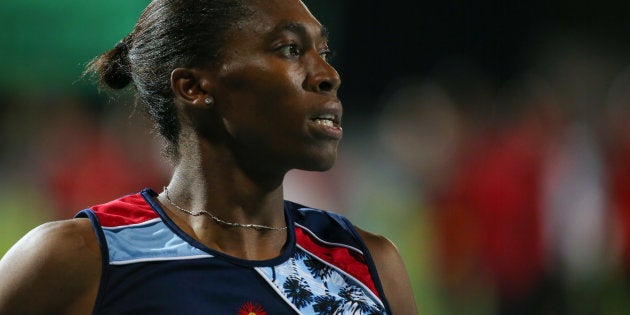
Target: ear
(191,86)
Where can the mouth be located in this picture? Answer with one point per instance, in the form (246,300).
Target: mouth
(327,123)
(328,120)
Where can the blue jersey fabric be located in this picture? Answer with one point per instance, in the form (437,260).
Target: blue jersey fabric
(150,266)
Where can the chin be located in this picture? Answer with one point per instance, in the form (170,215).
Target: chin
(318,168)
(320,163)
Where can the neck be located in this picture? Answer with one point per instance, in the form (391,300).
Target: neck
(209,179)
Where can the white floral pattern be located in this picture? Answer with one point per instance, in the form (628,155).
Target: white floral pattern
(315,287)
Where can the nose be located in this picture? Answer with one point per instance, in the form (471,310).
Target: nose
(322,77)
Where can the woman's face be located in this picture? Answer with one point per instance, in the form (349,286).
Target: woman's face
(275,91)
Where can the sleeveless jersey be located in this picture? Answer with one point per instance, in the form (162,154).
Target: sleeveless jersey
(150,266)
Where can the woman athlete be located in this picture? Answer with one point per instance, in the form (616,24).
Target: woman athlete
(242,92)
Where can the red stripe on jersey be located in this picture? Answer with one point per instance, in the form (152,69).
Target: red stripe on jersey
(343,258)
(127,210)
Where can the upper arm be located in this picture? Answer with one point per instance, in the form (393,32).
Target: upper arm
(392,273)
(54,269)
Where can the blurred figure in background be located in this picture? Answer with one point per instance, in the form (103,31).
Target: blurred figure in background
(616,134)
(487,217)
(108,157)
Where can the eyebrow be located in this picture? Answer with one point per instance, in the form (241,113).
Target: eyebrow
(299,29)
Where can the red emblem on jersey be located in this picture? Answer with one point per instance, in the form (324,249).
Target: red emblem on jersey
(251,308)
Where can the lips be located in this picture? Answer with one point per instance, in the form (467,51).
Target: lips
(329,114)
(327,122)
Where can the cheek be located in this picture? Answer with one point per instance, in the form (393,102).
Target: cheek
(265,92)
(261,121)
(269,77)
(264,110)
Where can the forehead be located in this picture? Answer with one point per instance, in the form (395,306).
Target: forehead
(276,15)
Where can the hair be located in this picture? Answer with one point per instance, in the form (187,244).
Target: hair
(169,34)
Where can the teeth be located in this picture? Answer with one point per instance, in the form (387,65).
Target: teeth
(325,122)
(327,116)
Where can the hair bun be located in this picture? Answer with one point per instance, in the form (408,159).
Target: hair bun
(113,68)
(115,73)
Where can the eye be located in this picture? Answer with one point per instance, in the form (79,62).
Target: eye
(327,54)
(290,50)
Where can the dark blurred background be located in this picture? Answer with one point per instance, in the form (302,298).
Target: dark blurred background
(489,140)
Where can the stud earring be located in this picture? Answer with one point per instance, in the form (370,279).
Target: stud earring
(208,101)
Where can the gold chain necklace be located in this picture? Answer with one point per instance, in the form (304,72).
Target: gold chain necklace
(222,222)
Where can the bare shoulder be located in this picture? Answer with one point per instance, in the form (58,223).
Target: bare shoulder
(57,262)
(392,272)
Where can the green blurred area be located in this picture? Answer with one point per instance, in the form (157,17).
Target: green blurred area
(44,45)
(21,211)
